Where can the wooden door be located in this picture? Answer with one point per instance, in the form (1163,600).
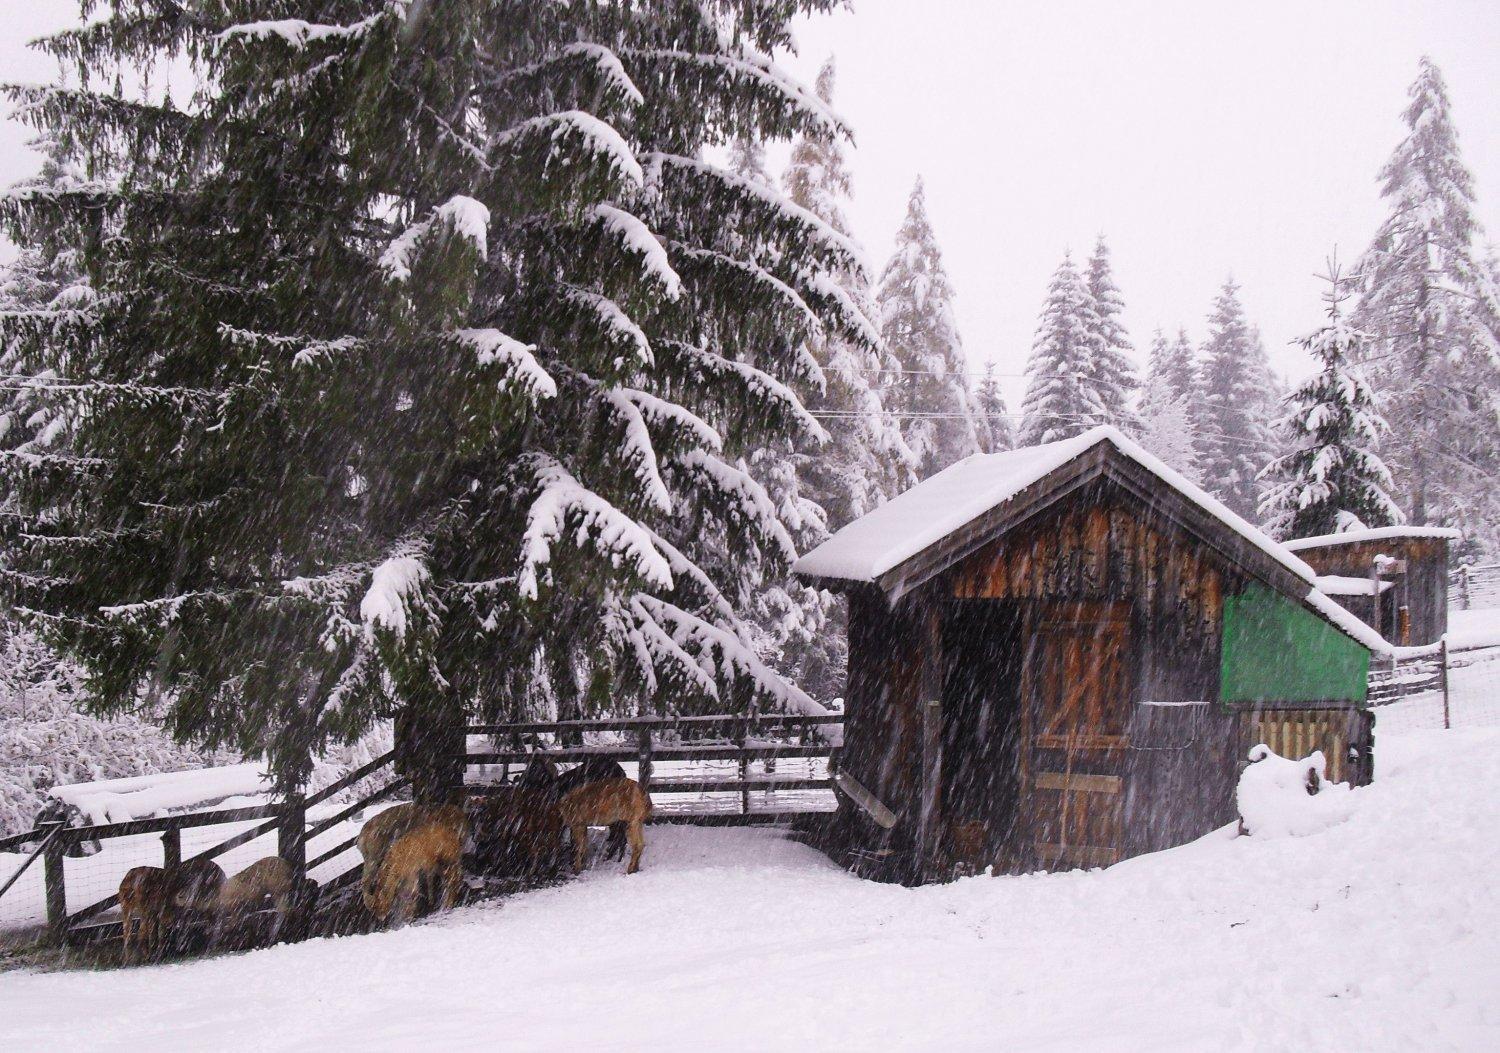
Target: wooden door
(1078,692)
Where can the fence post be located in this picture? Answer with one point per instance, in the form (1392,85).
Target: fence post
(643,760)
(54,883)
(171,848)
(744,734)
(932,774)
(1463,587)
(291,835)
(1443,672)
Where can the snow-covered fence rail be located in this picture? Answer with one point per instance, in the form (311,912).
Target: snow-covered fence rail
(1475,588)
(287,820)
(687,756)
(1451,684)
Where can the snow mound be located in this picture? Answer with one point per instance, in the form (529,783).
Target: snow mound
(1279,797)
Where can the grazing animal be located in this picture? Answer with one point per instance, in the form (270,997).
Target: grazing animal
(516,829)
(271,879)
(143,902)
(541,774)
(421,872)
(382,831)
(193,887)
(600,804)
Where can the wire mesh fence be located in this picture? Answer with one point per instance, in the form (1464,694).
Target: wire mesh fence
(1450,689)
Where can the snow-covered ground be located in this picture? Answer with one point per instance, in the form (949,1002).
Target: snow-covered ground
(1379,932)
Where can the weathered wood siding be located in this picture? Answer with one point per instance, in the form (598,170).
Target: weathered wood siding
(1424,590)
(1102,546)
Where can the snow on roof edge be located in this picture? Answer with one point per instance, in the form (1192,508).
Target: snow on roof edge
(1351,626)
(862,550)
(1349,537)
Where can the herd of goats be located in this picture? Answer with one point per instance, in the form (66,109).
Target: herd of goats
(414,857)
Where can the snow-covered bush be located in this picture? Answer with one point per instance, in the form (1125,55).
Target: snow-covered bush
(46,740)
(1279,797)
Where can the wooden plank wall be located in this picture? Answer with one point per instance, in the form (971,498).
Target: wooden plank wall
(1102,546)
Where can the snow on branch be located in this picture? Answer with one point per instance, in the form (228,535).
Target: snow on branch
(638,450)
(637,239)
(298,34)
(305,350)
(757,276)
(619,331)
(718,656)
(397,595)
(745,502)
(492,347)
(465,217)
(562,501)
(753,70)
(598,138)
(576,56)
(663,165)
(763,389)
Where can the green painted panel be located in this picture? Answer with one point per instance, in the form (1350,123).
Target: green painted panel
(1278,650)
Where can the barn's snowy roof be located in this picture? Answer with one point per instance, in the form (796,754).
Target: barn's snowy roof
(1343,585)
(1349,537)
(879,542)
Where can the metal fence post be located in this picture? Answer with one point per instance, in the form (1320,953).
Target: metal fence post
(1443,673)
(54,883)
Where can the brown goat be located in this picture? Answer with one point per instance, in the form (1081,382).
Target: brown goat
(600,804)
(385,828)
(516,830)
(143,903)
(421,872)
(271,878)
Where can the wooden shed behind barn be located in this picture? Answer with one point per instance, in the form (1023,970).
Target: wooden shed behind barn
(1406,566)
(1059,655)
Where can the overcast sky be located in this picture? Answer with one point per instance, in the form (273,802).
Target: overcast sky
(1201,138)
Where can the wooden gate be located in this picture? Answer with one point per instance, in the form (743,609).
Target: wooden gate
(1078,706)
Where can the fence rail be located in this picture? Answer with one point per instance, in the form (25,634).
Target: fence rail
(1475,587)
(742,739)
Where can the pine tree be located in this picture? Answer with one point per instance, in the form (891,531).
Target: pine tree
(1429,305)
(1166,412)
(1232,435)
(1062,399)
(1332,479)
(989,406)
(866,460)
(1111,371)
(424,365)
(931,392)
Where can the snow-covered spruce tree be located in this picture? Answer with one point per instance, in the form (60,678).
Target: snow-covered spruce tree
(1111,370)
(995,431)
(1166,412)
(424,360)
(1061,398)
(867,461)
(1429,306)
(1332,479)
(930,393)
(1232,431)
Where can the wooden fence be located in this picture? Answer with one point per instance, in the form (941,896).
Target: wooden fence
(1477,587)
(287,819)
(650,741)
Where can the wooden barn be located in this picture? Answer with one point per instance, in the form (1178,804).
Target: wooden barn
(1059,656)
(1406,567)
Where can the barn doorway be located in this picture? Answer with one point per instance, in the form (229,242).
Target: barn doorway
(981,779)
(1078,705)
